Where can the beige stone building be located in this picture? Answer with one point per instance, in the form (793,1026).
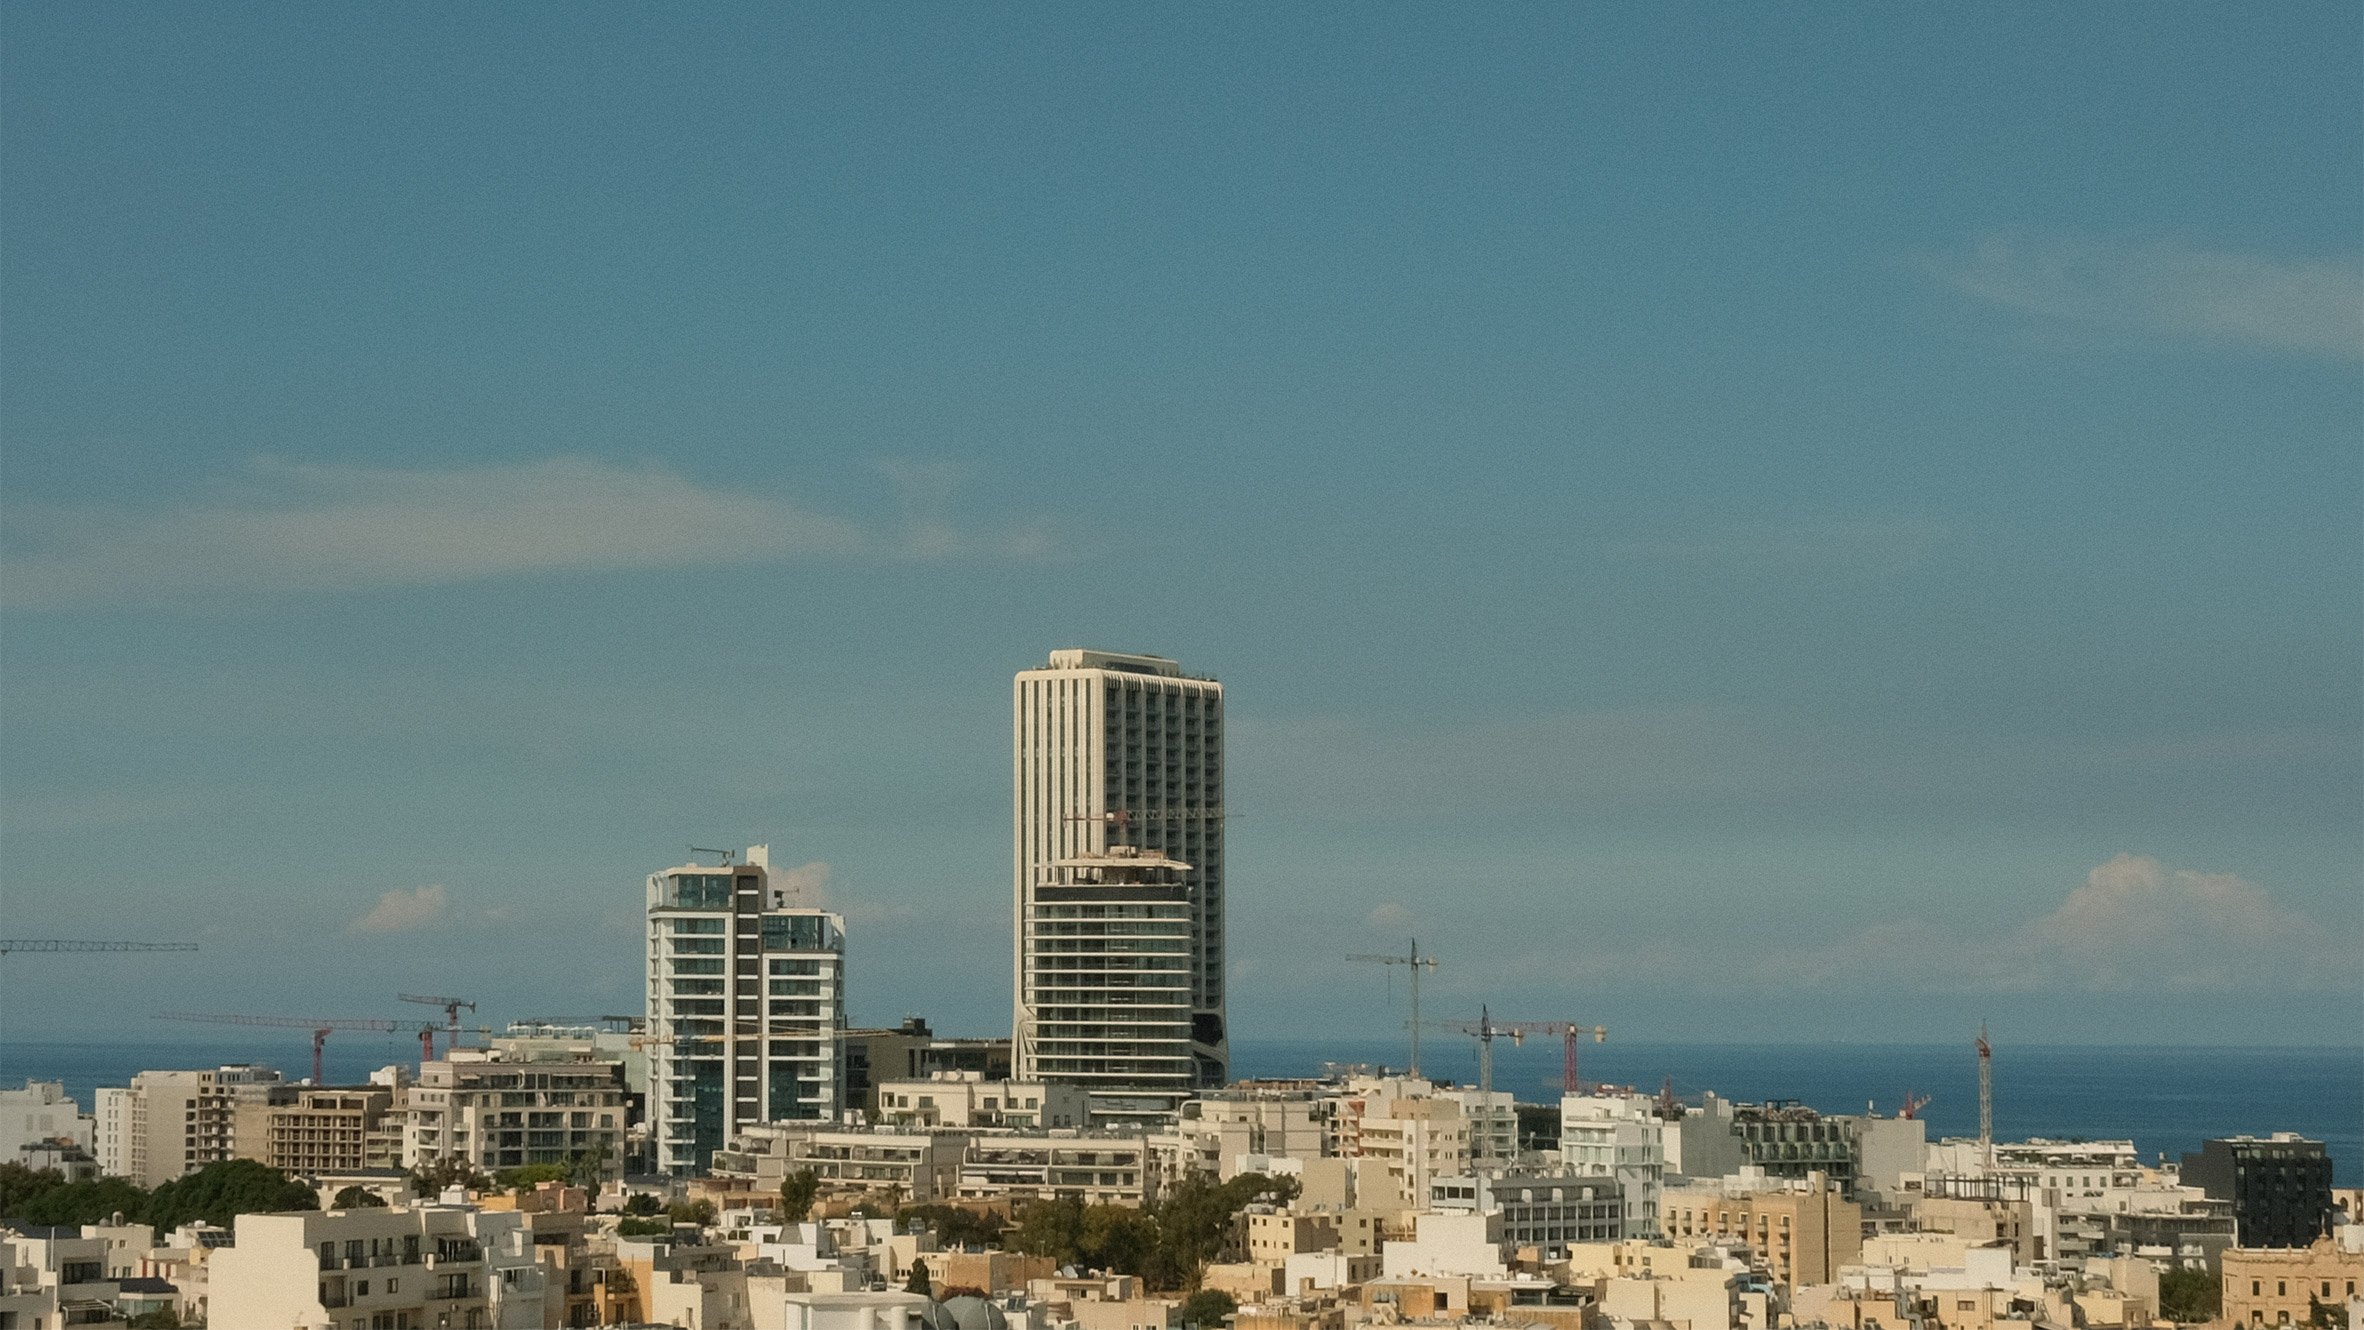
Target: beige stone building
(500,1112)
(167,1124)
(968,1099)
(310,1131)
(2274,1285)
(1102,1168)
(430,1267)
(913,1165)
(1803,1236)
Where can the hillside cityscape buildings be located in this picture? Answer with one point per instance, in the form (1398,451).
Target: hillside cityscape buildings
(742,1156)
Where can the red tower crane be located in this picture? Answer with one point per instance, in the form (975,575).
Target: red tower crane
(320,1028)
(451,1020)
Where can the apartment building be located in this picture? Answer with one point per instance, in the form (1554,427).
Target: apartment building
(499,1111)
(2279,1186)
(1618,1136)
(310,1131)
(42,1113)
(1115,752)
(1242,1129)
(1544,1210)
(746,1007)
(426,1268)
(916,1165)
(967,1099)
(1104,1168)
(1801,1234)
(167,1124)
(2284,1285)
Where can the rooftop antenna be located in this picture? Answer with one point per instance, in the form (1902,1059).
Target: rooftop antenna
(727,855)
(1416,962)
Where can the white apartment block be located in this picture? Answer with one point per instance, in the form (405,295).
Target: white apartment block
(428,1268)
(1618,1136)
(1547,1211)
(1240,1130)
(498,1112)
(746,1008)
(1493,1119)
(1104,1168)
(914,1165)
(967,1099)
(1117,751)
(167,1124)
(40,1112)
(47,1272)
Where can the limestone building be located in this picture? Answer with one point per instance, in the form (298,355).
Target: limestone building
(1120,754)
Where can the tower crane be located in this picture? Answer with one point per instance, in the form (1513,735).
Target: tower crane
(9,944)
(1486,1030)
(1986,1099)
(1415,962)
(451,1018)
(320,1028)
(1914,1102)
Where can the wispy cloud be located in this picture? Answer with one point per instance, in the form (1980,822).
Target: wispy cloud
(810,883)
(2312,306)
(404,911)
(290,528)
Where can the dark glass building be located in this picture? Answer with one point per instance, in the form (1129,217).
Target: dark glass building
(2279,1186)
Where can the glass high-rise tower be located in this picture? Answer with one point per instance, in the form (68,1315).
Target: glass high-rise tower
(746,1007)
(1118,863)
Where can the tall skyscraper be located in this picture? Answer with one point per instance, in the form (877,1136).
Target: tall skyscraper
(746,1007)
(1119,980)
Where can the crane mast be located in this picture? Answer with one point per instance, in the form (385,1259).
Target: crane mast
(1415,962)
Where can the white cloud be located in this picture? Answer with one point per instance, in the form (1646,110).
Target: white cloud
(403,911)
(288,528)
(810,884)
(2135,925)
(808,881)
(1389,917)
(2311,306)
(2136,922)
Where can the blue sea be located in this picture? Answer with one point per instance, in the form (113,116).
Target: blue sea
(2166,1099)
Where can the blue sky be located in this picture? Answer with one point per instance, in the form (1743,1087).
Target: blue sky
(1745,524)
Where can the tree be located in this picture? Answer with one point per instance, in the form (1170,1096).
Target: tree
(1118,1239)
(798,1191)
(586,1169)
(1208,1307)
(2189,1297)
(636,1226)
(527,1177)
(699,1212)
(918,1283)
(953,1225)
(356,1197)
(220,1192)
(1052,1228)
(430,1178)
(43,1196)
(641,1204)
